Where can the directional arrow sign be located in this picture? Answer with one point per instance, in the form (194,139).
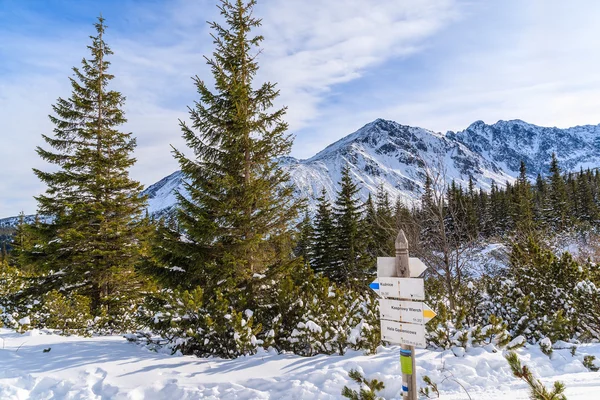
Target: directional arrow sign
(414,312)
(401,333)
(417,267)
(403,288)
(386,266)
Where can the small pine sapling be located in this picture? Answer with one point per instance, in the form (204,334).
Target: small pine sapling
(368,388)
(588,362)
(430,388)
(537,390)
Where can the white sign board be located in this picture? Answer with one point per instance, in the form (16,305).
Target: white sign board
(386,266)
(414,312)
(403,288)
(402,333)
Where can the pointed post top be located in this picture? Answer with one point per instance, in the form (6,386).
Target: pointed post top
(402,266)
(401,241)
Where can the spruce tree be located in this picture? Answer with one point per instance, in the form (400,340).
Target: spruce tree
(587,209)
(371,225)
(351,258)
(237,214)
(522,209)
(539,200)
(93,233)
(557,211)
(386,224)
(324,251)
(470,201)
(483,213)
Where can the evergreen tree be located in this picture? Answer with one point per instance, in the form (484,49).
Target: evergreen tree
(539,200)
(324,250)
(371,227)
(483,213)
(557,211)
(93,234)
(386,230)
(470,201)
(237,219)
(350,250)
(522,210)
(587,209)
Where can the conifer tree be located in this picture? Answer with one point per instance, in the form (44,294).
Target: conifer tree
(371,227)
(470,201)
(539,200)
(522,209)
(324,250)
(483,213)
(557,211)
(587,209)
(237,215)
(93,234)
(352,263)
(386,226)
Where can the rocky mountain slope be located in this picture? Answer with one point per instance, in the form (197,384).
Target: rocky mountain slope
(398,156)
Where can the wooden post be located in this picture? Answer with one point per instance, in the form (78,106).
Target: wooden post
(407,354)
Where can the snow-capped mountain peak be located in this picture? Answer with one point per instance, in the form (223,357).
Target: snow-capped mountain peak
(397,157)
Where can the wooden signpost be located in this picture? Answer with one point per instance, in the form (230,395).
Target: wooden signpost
(402,318)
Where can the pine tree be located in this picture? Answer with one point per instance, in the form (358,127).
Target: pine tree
(237,215)
(522,209)
(351,257)
(483,213)
(324,251)
(386,224)
(93,234)
(557,212)
(539,200)
(587,209)
(371,225)
(470,201)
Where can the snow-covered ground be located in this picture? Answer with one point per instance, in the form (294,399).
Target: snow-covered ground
(112,368)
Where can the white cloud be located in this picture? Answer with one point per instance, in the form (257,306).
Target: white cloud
(310,47)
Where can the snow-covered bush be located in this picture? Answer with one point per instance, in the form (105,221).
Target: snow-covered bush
(464,326)
(68,315)
(543,295)
(298,312)
(195,327)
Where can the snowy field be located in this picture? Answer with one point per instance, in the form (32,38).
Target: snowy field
(112,368)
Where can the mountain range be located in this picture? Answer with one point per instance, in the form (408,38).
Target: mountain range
(398,157)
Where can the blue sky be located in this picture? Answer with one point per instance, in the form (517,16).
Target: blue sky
(437,64)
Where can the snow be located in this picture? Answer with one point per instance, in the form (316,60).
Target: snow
(396,156)
(113,368)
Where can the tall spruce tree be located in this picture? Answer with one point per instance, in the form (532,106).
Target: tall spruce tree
(587,209)
(237,214)
(94,233)
(557,210)
(522,210)
(371,225)
(351,255)
(324,250)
